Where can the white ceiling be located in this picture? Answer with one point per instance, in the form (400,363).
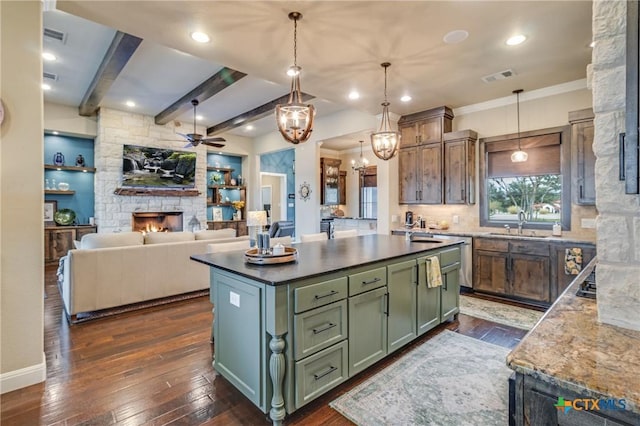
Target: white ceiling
(340,48)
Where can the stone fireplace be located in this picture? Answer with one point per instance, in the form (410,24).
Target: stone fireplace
(156,221)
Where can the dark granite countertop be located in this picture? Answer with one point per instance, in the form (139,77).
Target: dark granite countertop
(513,236)
(569,347)
(322,257)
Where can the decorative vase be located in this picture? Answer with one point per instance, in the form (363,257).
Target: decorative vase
(58,159)
(80,161)
(238,215)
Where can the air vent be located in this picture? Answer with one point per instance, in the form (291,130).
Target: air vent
(50,76)
(501,75)
(55,35)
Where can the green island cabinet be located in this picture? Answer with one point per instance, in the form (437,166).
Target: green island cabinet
(286,334)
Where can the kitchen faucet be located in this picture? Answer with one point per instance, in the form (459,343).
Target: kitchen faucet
(521,221)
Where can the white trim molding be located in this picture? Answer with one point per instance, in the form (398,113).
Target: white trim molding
(18,379)
(525,96)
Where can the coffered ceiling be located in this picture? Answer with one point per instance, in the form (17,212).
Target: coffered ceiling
(340,47)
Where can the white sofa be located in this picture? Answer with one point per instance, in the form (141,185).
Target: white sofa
(112,270)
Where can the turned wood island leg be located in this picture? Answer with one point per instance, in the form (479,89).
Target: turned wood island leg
(277,369)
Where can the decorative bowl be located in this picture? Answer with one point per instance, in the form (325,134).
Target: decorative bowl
(63,186)
(64,217)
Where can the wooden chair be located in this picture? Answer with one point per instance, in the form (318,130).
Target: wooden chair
(320,236)
(345,234)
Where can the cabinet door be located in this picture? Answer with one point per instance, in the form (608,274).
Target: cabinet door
(529,277)
(401,284)
(408,180)
(455,172)
(48,249)
(429,130)
(585,163)
(490,271)
(408,136)
(428,301)
(343,188)
(430,174)
(367,329)
(241,228)
(61,242)
(81,232)
(450,291)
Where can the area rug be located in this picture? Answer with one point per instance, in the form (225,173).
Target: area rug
(450,379)
(501,313)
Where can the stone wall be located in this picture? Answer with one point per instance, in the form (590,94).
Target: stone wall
(618,223)
(118,128)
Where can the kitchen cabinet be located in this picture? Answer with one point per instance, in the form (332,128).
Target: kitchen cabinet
(58,240)
(342,185)
(513,268)
(239,225)
(420,177)
(583,158)
(428,301)
(401,285)
(424,127)
(367,329)
(329,181)
(460,167)
(559,279)
(450,292)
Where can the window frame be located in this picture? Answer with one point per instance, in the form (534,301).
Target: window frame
(565,173)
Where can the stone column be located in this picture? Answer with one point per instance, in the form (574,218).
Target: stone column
(618,224)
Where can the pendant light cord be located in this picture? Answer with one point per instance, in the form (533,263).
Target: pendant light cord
(295,42)
(385,83)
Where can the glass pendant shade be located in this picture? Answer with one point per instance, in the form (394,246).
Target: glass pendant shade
(295,119)
(385,142)
(518,156)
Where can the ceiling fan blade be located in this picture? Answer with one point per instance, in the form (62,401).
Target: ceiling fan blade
(190,145)
(213,144)
(216,139)
(187,137)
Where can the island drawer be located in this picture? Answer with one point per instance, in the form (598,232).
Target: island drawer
(320,372)
(320,328)
(368,280)
(449,256)
(320,294)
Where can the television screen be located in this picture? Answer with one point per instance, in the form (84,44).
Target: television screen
(144,166)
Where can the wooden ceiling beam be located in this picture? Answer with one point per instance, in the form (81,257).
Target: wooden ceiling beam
(122,48)
(214,84)
(252,115)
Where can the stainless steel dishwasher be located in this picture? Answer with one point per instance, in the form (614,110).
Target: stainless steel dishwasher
(466,275)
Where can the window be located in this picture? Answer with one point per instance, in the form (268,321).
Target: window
(369,193)
(540,187)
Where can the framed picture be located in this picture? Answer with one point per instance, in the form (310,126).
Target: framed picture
(50,208)
(217,214)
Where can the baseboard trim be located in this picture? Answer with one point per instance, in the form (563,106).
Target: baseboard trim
(23,377)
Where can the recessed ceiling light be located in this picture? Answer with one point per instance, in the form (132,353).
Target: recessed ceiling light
(516,39)
(200,37)
(55,132)
(45,86)
(199,117)
(353,95)
(130,104)
(405,98)
(48,56)
(455,36)
(248,127)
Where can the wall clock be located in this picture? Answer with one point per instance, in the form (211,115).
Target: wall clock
(305,191)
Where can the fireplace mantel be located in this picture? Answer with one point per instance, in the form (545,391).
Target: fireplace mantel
(157,192)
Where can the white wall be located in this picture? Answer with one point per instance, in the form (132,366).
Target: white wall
(22,360)
(65,119)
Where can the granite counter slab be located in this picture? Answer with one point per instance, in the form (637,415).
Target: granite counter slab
(513,236)
(323,257)
(571,349)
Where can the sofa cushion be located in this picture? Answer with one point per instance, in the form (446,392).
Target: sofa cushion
(167,237)
(119,239)
(215,234)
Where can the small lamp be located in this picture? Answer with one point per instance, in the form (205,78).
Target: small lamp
(255,221)
(194,224)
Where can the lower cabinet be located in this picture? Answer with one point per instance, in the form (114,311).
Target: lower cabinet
(58,240)
(367,329)
(239,225)
(450,291)
(428,301)
(401,285)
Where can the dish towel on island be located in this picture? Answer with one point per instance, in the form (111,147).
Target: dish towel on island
(572,261)
(434,277)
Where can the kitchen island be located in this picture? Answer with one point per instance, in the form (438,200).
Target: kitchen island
(285,334)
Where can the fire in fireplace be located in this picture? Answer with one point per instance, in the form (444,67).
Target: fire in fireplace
(156,222)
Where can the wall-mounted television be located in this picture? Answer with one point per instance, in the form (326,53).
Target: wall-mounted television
(149,167)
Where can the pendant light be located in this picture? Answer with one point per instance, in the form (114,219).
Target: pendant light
(295,119)
(385,141)
(518,156)
(361,164)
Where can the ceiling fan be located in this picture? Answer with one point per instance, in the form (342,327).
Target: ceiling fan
(196,139)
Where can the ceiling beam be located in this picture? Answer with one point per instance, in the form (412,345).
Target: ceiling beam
(253,115)
(214,84)
(122,48)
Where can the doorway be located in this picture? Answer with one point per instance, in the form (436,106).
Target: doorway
(273,195)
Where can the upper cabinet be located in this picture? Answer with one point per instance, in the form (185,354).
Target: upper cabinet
(460,167)
(583,158)
(330,181)
(425,127)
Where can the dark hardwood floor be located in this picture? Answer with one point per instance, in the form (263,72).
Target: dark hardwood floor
(153,367)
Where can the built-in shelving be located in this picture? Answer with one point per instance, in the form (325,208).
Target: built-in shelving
(70,168)
(59,192)
(218,169)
